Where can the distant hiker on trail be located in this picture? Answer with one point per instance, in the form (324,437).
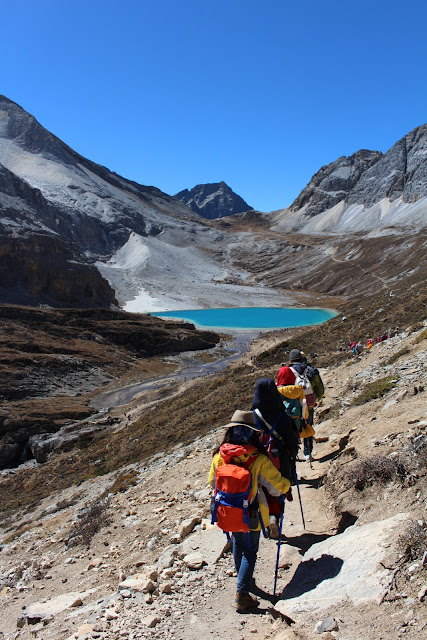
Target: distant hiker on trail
(241,459)
(370,344)
(359,348)
(302,374)
(280,437)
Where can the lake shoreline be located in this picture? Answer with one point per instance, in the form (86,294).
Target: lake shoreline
(241,319)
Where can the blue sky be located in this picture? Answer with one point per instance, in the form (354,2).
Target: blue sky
(260,94)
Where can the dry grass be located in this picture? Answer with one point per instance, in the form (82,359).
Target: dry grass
(376,389)
(365,472)
(395,357)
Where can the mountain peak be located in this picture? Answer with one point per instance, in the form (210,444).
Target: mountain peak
(213,200)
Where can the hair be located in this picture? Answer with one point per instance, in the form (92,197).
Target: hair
(229,439)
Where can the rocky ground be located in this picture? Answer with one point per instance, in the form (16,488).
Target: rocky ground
(131,555)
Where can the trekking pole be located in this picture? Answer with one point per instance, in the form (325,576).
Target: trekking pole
(299,496)
(278,546)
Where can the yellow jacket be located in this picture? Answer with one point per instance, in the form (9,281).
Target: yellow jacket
(295,392)
(264,474)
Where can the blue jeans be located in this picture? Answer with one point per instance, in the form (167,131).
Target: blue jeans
(308,442)
(308,445)
(245,556)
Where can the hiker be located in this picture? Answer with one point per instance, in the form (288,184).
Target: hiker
(301,373)
(242,450)
(279,437)
(359,348)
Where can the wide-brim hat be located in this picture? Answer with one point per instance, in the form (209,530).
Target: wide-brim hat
(244,418)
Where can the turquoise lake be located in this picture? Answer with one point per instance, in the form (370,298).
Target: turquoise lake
(261,318)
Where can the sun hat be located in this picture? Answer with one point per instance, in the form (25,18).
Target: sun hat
(244,418)
(295,355)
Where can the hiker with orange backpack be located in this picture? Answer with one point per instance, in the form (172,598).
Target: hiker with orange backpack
(240,471)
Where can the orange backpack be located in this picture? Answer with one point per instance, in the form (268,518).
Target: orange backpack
(233,493)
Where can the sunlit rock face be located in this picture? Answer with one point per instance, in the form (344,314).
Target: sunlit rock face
(366,191)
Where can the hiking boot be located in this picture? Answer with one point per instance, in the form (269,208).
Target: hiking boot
(245,601)
(308,457)
(273,528)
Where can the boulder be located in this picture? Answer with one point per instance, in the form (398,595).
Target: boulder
(150,621)
(194,561)
(210,543)
(138,582)
(340,568)
(187,526)
(9,454)
(44,611)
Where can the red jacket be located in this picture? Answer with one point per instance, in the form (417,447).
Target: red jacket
(285,376)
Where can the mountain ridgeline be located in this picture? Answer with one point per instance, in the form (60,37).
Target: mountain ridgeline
(365,191)
(73,233)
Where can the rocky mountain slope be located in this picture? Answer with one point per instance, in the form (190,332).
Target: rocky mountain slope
(365,191)
(214,200)
(38,264)
(130,553)
(157,254)
(46,187)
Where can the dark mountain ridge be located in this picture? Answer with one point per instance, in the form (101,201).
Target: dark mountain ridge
(213,200)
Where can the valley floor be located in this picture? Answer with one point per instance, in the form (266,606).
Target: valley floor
(154,528)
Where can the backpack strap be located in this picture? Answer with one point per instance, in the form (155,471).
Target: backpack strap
(271,430)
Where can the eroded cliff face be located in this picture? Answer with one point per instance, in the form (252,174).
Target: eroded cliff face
(38,268)
(400,173)
(333,182)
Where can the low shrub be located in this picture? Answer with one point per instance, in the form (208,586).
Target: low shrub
(421,337)
(124,481)
(376,389)
(413,542)
(416,327)
(365,472)
(396,356)
(92,518)
(16,534)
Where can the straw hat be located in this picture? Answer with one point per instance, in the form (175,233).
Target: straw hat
(244,418)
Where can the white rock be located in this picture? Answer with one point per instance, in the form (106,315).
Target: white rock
(45,610)
(340,568)
(138,582)
(194,561)
(167,558)
(328,624)
(187,526)
(150,621)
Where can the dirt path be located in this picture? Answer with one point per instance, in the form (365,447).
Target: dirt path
(38,566)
